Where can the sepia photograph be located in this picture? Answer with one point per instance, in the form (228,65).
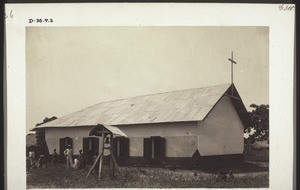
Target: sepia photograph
(149,95)
(147,107)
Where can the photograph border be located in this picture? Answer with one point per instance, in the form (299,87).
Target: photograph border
(15,67)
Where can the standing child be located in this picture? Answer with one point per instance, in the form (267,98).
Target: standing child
(81,160)
(54,157)
(76,163)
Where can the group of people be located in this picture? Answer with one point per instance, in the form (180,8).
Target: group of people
(78,163)
(31,163)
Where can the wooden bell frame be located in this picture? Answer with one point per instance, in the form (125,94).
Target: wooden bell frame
(102,131)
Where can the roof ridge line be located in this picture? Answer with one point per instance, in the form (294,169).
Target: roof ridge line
(223,84)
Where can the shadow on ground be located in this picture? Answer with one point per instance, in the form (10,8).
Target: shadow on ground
(237,167)
(219,166)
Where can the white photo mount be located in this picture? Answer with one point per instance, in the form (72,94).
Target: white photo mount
(278,18)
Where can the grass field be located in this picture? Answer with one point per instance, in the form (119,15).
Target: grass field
(57,176)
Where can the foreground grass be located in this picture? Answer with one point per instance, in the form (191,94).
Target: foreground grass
(57,176)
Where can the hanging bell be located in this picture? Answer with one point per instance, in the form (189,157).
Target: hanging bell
(106,140)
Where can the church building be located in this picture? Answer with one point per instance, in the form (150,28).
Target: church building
(170,127)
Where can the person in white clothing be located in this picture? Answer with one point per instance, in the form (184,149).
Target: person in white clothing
(76,163)
(31,158)
(69,156)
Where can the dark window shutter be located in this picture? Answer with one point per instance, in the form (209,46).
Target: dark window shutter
(157,147)
(147,148)
(126,147)
(114,144)
(119,143)
(68,141)
(163,147)
(122,146)
(61,146)
(96,146)
(71,142)
(85,146)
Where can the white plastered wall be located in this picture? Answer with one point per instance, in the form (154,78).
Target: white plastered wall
(52,136)
(222,132)
(181,137)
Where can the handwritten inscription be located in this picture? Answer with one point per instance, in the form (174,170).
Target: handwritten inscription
(40,20)
(284,7)
(10,14)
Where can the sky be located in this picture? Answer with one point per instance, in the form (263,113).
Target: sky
(70,68)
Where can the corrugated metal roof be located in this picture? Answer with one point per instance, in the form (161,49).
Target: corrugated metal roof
(185,105)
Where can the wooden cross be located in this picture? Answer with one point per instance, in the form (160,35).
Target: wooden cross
(232,61)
